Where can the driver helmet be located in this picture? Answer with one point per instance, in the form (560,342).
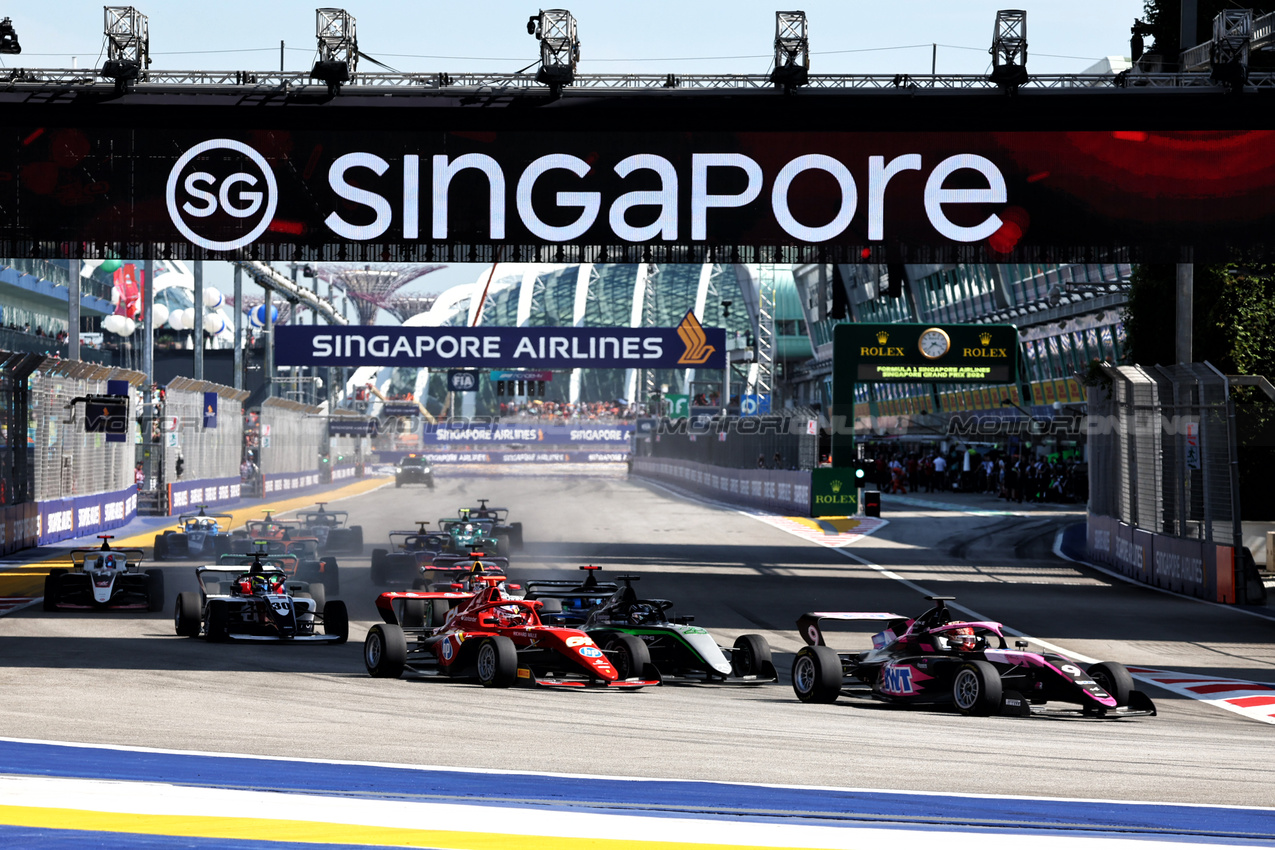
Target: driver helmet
(260,584)
(962,639)
(469,529)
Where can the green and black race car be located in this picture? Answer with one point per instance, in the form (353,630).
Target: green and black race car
(677,648)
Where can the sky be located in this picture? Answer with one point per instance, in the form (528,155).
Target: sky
(654,37)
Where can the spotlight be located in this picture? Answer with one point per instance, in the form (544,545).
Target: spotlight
(9,38)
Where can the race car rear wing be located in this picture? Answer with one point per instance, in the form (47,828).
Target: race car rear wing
(808,625)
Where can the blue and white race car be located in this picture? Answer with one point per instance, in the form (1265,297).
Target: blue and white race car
(197,535)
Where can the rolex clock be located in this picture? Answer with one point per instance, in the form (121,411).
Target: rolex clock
(934,343)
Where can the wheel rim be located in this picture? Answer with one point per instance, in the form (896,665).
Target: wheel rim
(1103,682)
(748,663)
(620,660)
(966,689)
(177,618)
(803,674)
(372,651)
(487,663)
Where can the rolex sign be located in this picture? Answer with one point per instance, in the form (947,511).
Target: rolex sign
(833,493)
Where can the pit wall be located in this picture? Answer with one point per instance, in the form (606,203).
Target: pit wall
(1193,567)
(779,490)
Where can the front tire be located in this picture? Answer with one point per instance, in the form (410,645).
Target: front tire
(385,651)
(976,689)
(1113,678)
(628,655)
(319,593)
(752,656)
(378,567)
(816,674)
(187,613)
(497,662)
(51,592)
(336,621)
(154,590)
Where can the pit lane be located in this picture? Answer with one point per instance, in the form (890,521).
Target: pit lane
(127,679)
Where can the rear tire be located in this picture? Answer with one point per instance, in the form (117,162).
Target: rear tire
(378,567)
(221,545)
(414,611)
(154,590)
(51,592)
(1113,678)
(816,674)
(385,651)
(497,662)
(218,629)
(319,593)
(438,609)
(515,536)
(751,656)
(187,613)
(356,545)
(976,689)
(161,547)
(331,574)
(336,621)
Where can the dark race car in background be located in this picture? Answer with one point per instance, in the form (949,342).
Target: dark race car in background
(607,611)
(407,553)
(508,533)
(259,603)
(332,529)
(198,535)
(935,660)
(103,578)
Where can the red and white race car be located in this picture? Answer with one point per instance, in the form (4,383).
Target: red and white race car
(496,638)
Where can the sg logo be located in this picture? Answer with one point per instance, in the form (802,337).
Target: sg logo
(238,196)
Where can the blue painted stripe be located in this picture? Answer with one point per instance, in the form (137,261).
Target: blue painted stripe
(669,797)
(73,839)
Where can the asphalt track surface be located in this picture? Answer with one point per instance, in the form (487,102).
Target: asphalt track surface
(126,679)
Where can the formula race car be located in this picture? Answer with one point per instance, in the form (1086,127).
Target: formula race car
(104,578)
(676,647)
(464,533)
(197,535)
(499,640)
(502,529)
(258,604)
(408,552)
(332,530)
(935,660)
(414,469)
(299,559)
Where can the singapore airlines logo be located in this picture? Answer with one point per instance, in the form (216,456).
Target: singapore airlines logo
(696,341)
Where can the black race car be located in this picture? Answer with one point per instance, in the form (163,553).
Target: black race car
(414,469)
(509,533)
(332,529)
(936,660)
(104,578)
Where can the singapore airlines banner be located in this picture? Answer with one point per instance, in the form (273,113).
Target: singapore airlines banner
(371,195)
(687,345)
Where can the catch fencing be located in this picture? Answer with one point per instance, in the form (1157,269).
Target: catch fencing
(206,452)
(752,442)
(1164,481)
(293,437)
(66,460)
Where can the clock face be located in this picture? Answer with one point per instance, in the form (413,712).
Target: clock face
(934,343)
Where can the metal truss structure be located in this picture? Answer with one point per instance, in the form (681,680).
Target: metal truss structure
(792,49)
(127,35)
(371,289)
(338,47)
(268,83)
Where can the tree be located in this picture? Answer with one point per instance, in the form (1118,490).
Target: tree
(1164,18)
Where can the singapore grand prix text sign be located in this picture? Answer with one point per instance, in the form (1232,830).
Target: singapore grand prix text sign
(687,345)
(199,193)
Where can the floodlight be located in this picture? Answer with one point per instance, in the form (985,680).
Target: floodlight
(555,29)
(792,50)
(1009,49)
(338,48)
(8,38)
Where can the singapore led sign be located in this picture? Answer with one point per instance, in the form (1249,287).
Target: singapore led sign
(918,195)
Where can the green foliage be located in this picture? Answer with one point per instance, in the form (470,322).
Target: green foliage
(1164,17)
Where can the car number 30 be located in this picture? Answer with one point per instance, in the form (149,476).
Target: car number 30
(282,607)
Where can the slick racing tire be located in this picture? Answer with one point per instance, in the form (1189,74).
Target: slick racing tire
(331,574)
(752,656)
(319,593)
(438,609)
(385,651)
(816,674)
(161,547)
(221,545)
(51,582)
(1113,678)
(515,536)
(976,689)
(336,621)
(356,542)
(154,590)
(186,614)
(628,655)
(218,628)
(378,567)
(414,612)
(497,662)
